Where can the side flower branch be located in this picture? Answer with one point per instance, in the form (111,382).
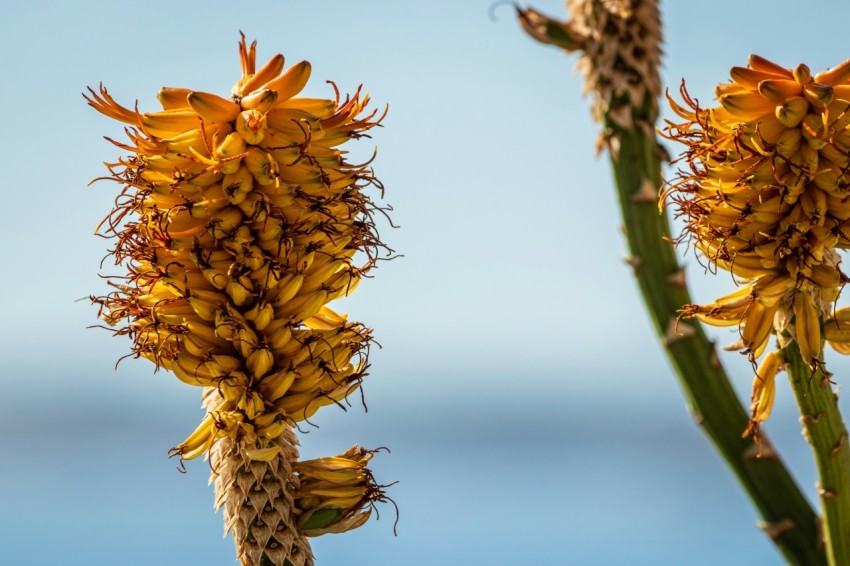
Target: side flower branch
(765,193)
(619,45)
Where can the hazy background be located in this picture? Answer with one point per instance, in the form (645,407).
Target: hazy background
(531,415)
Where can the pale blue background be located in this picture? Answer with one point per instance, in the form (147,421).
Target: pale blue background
(532,417)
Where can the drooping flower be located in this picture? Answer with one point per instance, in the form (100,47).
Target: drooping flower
(764,392)
(335,491)
(238,222)
(766,195)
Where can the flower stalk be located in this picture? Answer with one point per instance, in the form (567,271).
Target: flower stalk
(619,42)
(824,429)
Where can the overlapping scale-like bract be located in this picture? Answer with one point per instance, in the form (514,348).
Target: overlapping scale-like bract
(766,196)
(239,222)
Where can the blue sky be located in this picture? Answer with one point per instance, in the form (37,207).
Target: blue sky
(531,414)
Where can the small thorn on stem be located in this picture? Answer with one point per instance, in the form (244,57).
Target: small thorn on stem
(634,262)
(776,529)
(677,279)
(647,193)
(825,493)
(842,440)
(807,420)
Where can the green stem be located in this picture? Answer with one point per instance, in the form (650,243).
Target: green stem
(825,431)
(789,519)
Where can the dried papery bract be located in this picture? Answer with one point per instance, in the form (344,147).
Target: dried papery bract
(765,195)
(238,222)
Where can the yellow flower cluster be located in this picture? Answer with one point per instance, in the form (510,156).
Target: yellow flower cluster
(239,220)
(245,219)
(766,196)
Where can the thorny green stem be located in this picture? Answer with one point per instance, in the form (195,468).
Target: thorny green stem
(788,517)
(825,431)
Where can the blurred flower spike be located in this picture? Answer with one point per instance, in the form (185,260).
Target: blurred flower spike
(238,222)
(619,44)
(765,194)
